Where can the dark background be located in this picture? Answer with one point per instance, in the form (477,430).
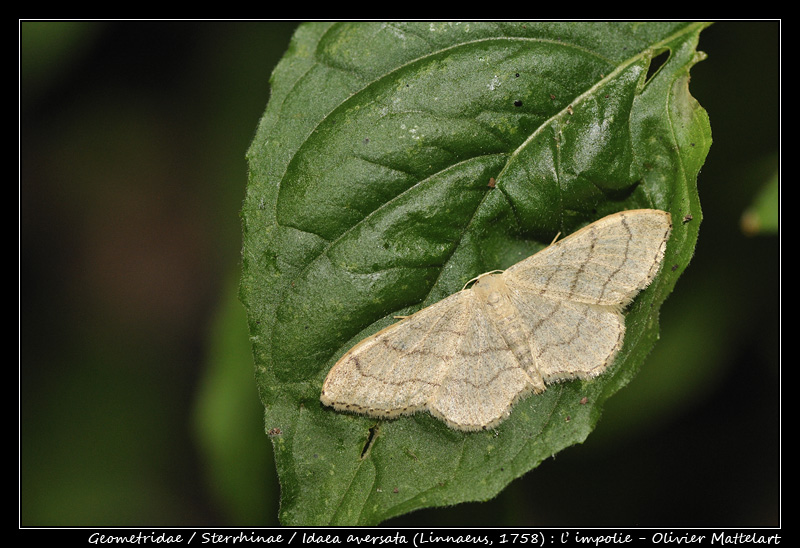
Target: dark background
(137,399)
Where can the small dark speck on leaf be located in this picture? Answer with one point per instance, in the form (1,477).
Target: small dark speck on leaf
(492,182)
(517,103)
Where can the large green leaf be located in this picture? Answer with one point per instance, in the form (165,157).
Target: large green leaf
(369,197)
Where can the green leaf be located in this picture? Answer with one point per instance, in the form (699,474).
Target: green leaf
(762,217)
(238,460)
(369,197)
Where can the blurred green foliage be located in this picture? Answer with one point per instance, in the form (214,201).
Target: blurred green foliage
(133,138)
(762,216)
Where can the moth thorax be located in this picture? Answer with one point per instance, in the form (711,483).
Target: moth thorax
(490,288)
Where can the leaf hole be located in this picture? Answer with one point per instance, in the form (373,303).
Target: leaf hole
(656,63)
(373,433)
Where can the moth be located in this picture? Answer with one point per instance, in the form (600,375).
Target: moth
(553,316)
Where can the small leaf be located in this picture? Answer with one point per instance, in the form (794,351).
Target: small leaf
(238,463)
(370,197)
(762,217)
